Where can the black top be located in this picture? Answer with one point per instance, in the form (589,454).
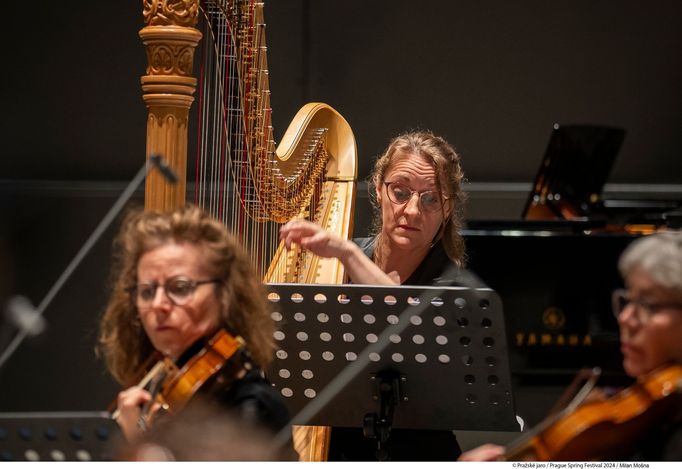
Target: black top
(349,444)
(663,444)
(252,398)
(436,268)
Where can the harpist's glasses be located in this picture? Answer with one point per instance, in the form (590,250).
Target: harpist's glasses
(179,291)
(400,194)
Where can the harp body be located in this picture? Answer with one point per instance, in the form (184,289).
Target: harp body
(243,177)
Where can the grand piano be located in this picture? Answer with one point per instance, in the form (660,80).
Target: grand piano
(556,266)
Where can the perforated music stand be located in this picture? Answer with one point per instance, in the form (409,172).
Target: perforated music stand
(444,362)
(58,436)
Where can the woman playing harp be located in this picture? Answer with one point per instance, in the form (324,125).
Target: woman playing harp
(418,198)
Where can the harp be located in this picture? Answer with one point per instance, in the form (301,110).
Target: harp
(242,176)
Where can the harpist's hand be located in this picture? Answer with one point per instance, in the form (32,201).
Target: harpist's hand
(129,404)
(359,267)
(485,452)
(314,238)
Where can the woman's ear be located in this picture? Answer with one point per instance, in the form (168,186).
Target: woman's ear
(449,207)
(377,188)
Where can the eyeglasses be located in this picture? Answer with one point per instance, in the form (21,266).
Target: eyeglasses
(179,291)
(643,310)
(400,194)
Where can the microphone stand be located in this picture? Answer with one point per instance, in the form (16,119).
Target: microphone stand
(36,315)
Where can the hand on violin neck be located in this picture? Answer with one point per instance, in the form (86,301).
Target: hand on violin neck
(129,410)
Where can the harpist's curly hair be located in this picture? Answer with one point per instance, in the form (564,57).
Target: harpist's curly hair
(446,163)
(245,309)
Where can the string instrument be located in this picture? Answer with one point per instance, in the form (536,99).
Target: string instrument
(243,177)
(172,387)
(604,428)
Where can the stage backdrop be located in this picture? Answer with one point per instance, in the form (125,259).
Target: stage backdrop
(491,76)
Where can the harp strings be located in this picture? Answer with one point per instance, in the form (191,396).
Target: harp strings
(224,176)
(239,178)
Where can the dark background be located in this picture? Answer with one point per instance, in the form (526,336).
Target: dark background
(491,76)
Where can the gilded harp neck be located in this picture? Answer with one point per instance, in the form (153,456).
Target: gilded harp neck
(332,195)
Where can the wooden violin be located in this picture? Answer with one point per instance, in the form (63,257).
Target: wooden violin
(604,428)
(172,387)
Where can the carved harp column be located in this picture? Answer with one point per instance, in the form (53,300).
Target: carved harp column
(243,178)
(168,87)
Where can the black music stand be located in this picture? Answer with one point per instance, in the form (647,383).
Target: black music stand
(58,436)
(444,367)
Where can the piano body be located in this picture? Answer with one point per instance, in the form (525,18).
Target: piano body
(556,292)
(555,268)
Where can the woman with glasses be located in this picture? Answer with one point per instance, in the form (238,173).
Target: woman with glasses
(417,193)
(649,314)
(418,199)
(184,291)
(649,310)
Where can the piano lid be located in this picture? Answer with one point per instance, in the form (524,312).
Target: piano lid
(567,195)
(574,169)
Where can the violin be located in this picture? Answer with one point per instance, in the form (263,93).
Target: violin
(172,387)
(604,428)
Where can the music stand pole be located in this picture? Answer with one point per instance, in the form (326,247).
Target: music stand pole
(154,161)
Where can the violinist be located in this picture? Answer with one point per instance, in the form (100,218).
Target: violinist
(649,314)
(180,281)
